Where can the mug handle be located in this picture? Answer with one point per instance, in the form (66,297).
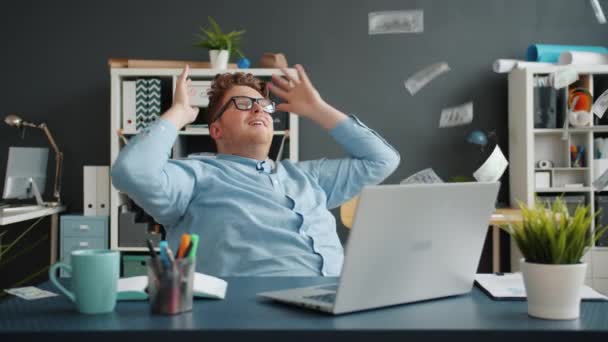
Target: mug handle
(53,271)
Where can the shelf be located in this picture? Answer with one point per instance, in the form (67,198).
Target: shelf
(197,132)
(563,169)
(571,130)
(564,189)
(132,249)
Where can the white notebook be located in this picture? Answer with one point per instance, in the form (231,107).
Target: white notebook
(205,286)
(510,286)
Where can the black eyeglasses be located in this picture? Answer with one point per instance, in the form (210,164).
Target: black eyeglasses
(246,103)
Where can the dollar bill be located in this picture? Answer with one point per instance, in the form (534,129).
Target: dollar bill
(601,104)
(426,176)
(493,168)
(563,77)
(601,182)
(599,13)
(396,22)
(30,292)
(424,76)
(457,116)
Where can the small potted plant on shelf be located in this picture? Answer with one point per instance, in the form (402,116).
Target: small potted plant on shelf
(553,243)
(221,45)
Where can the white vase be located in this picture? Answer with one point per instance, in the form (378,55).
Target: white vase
(219,59)
(553,291)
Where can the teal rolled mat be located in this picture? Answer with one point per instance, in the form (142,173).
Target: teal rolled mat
(549,53)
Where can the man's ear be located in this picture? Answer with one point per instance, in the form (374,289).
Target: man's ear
(215,131)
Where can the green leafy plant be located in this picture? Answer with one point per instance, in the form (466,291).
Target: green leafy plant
(214,39)
(551,235)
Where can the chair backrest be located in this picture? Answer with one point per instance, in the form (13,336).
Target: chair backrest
(347,211)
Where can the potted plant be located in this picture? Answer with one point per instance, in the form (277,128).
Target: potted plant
(221,45)
(552,243)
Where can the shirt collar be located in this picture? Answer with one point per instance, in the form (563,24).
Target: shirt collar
(265,166)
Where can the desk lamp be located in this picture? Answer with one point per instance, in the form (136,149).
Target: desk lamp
(15,121)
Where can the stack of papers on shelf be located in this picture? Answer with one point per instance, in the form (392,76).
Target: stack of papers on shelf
(510,286)
(205,286)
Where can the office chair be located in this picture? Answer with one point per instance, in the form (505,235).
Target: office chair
(347,211)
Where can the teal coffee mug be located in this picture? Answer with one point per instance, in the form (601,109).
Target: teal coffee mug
(94,280)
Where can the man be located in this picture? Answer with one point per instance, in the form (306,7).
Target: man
(253,217)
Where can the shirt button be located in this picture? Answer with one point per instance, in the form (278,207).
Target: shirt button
(302,233)
(276,181)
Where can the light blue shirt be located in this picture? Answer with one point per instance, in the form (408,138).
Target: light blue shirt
(253,217)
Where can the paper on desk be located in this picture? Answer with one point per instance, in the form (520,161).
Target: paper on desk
(599,13)
(30,292)
(493,168)
(600,105)
(511,286)
(426,176)
(456,116)
(563,77)
(424,76)
(396,22)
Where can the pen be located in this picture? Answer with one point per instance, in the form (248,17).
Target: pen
(171,258)
(153,258)
(193,247)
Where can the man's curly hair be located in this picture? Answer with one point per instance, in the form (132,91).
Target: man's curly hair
(224,82)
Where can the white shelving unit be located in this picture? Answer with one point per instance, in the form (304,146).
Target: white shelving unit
(118,75)
(528,145)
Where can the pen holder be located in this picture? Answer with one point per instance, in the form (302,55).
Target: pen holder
(170,288)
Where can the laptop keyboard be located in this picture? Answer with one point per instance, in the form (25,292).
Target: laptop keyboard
(327,298)
(332,287)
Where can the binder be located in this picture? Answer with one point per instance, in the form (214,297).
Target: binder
(90,190)
(129,118)
(96,190)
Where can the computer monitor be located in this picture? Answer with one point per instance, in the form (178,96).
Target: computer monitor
(25,173)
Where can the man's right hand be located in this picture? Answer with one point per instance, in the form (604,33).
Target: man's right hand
(181,112)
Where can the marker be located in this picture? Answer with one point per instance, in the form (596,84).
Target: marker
(163,253)
(194,247)
(185,242)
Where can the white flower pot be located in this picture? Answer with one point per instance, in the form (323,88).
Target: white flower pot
(219,59)
(553,291)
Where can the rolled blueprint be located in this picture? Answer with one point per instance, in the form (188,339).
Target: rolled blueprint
(582,58)
(550,53)
(502,66)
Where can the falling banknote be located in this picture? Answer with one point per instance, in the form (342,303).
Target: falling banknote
(599,13)
(493,168)
(602,181)
(563,77)
(601,104)
(396,22)
(457,116)
(426,176)
(424,76)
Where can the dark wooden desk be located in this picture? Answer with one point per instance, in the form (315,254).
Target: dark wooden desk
(243,317)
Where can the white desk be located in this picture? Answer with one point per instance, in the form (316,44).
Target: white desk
(13,216)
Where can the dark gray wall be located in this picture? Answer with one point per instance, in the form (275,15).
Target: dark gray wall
(54,67)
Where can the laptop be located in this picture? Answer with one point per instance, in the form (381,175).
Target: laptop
(408,243)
